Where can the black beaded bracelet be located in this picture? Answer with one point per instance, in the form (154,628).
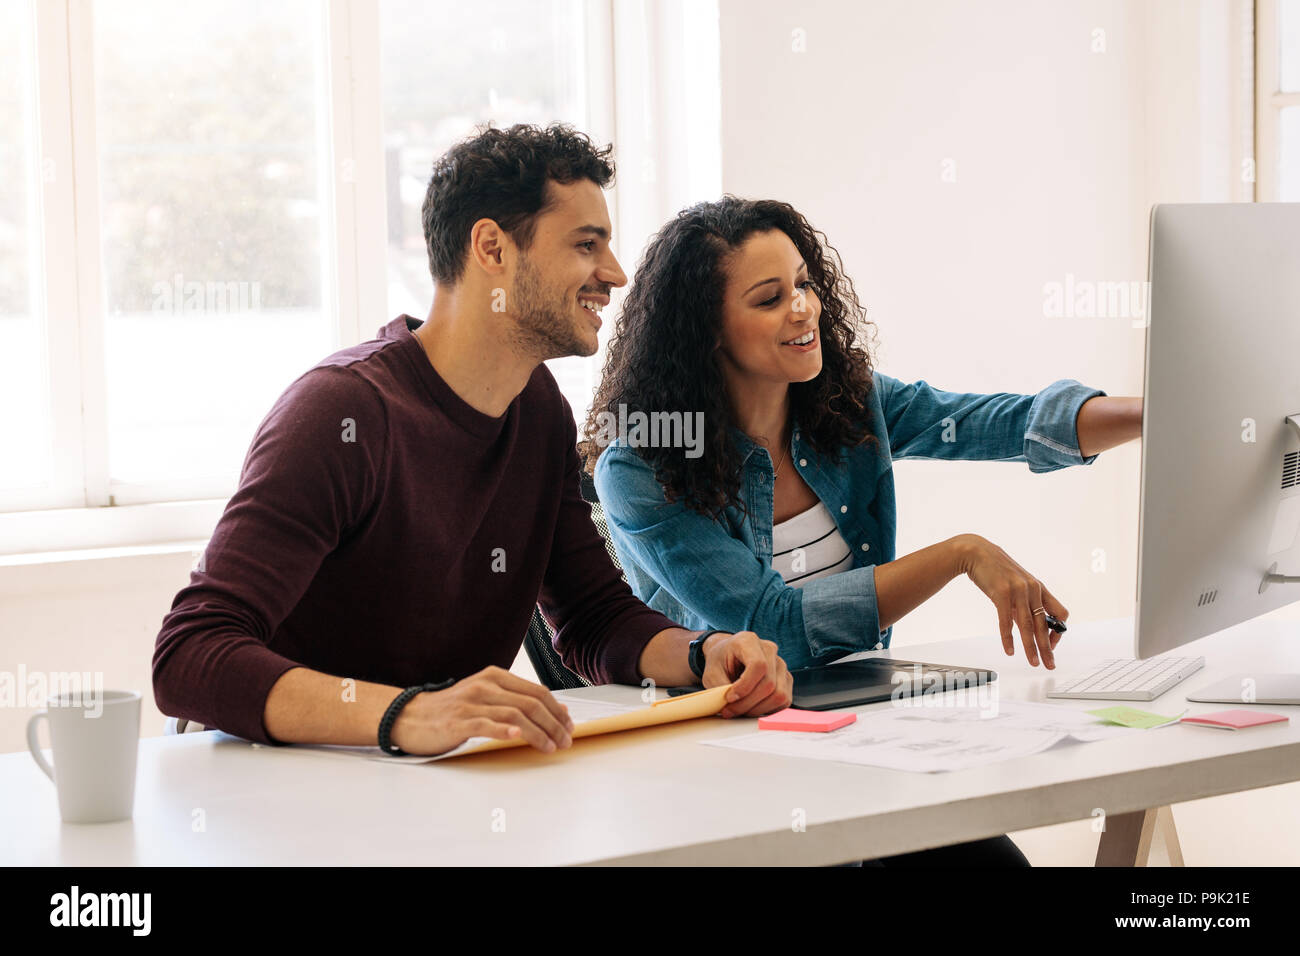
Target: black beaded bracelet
(395,708)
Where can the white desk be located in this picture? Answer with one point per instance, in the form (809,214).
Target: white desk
(657,796)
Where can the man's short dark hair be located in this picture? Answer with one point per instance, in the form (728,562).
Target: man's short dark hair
(502,175)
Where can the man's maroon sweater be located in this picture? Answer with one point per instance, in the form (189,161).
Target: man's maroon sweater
(385,530)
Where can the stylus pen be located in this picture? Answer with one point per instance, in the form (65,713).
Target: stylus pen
(1054,623)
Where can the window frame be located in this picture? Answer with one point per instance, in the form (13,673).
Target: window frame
(70,512)
(1269,100)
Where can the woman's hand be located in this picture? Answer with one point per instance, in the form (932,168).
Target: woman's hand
(1016,594)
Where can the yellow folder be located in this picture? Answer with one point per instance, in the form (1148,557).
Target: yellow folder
(703,703)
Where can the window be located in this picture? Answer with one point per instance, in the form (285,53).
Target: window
(448,67)
(199,202)
(212,228)
(26,462)
(231,165)
(1278,100)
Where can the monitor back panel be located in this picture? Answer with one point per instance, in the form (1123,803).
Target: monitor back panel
(1219,482)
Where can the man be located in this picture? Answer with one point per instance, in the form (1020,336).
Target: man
(406,502)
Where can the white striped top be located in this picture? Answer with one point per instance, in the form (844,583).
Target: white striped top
(809,546)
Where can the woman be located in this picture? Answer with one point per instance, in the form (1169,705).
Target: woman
(784,521)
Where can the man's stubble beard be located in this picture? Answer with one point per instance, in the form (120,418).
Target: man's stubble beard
(542,327)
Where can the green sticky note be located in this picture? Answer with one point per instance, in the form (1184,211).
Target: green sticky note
(1131,717)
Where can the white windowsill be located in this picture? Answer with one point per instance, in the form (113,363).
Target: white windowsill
(100,554)
(34,537)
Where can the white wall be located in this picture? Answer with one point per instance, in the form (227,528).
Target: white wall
(98,612)
(1057,153)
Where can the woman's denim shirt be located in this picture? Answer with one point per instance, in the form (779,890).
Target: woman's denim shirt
(709,573)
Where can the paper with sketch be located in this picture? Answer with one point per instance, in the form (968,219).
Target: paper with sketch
(590,718)
(928,738)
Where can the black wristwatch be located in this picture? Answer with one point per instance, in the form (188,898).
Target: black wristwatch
(696,656)
(395,708)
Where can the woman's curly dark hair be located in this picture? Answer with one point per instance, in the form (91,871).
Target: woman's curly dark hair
(663,355)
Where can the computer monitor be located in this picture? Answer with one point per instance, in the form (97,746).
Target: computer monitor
(1219,525)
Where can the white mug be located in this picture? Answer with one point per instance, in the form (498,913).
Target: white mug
(94,737)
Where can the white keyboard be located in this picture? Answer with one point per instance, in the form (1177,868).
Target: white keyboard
(1124,678)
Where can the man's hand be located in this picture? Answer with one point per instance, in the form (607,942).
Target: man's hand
(763,683)
(491,703)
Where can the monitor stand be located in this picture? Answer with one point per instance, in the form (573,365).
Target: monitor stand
(1258,688)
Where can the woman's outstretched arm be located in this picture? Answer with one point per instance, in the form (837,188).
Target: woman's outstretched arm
(1107,421)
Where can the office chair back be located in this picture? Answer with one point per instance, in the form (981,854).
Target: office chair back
(540,640)
(179,725)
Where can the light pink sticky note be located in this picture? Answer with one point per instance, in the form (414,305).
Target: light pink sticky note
(1235,719)
(814,720)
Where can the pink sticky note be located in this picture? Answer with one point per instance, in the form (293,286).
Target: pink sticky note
(1235,719)
(815,720)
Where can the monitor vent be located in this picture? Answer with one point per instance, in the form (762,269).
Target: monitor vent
(1291,470)
(1207,597)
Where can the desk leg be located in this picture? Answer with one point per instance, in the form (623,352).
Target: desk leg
(1127,839)
(1165,823)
